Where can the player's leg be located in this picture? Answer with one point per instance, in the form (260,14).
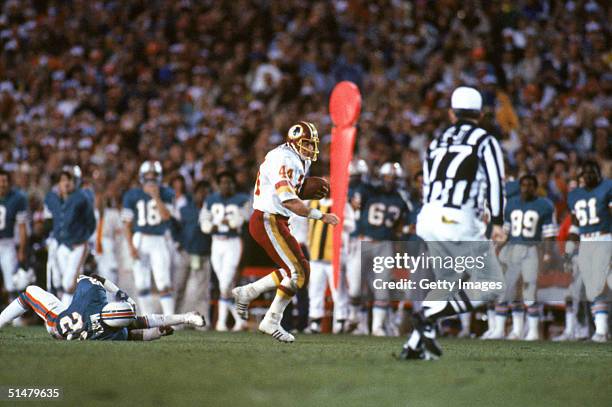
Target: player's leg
(357,317)
(200,272)
(229,259)
(245,294)
(594,263)
(46,305)
(339,297)
(218,252)
(142,275)
(157,320)
(159,253)
(288,254)
(316,296)
(71,262)
(181,265)
(530,266)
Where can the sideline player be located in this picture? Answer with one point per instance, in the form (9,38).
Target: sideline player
(383,215)
(13,211)
(278,184)
(146,215)
(591,207)
(529,219)
(463,173)
(91,317)
(74,222)
(223,215)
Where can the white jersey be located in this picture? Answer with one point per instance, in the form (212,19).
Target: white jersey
(279,179)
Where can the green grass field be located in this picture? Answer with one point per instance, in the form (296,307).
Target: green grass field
(248,369)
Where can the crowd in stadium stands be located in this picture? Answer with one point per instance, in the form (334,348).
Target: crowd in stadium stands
(210,85)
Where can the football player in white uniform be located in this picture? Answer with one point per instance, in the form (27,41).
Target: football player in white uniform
(278,184)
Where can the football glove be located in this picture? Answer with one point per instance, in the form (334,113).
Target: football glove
(122,296)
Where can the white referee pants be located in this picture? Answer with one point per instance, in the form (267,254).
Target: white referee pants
(225,255)
(8,262)
(322,274)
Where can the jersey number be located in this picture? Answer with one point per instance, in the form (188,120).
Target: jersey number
(148,214)
(451,186)
(71,323)
(524,223)
(376,215)
(586,212)
(2,217)
(221,213)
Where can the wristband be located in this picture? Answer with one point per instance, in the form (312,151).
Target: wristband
(315,214)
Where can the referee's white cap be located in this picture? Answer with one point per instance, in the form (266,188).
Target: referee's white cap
(466,98)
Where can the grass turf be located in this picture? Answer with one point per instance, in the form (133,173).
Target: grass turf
(248,369)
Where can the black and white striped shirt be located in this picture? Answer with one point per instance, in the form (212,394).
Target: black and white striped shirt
(464,169)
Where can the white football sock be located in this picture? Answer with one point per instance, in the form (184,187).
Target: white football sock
(145,302)
(232,310)
(466,319)
(532,326)
(222,312)
(601,322)
(570,322)
(263,285)
(518,322)
(167,304)
(491,320)
(157,320)
(66,299)
(12,311)
(379,315)
(500,325)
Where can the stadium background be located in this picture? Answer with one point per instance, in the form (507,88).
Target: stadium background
(206,86)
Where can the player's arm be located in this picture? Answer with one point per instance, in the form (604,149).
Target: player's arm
(22,218)
(206,223)
(290,200)
(155,192)
(109,286)
(493,162)
(127,216)
(549,232)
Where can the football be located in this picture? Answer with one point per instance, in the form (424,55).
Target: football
(314,188)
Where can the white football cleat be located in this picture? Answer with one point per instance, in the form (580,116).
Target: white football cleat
(599,338)
(514,336)
(270,325)
(487,334)
(565,336)
(378,332)
(239,326)
(532,336)
(242,298)
(194,319)
(219,327)
(495,336)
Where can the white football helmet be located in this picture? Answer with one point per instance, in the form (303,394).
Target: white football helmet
(360,167)
(118,314)
(76,173)
(389,168)
(150,166)
(23,278)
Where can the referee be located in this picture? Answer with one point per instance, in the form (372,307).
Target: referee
(463,176)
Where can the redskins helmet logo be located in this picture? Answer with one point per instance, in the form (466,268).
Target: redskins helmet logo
(295,132)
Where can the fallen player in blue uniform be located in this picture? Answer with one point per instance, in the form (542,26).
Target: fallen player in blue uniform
(91,317)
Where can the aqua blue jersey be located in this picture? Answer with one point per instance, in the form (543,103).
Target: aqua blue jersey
(141,209)
(381,212)
(513,188)
(189,234)
(225,211)
(356,193)
(52,203)
(530,221)
(74,220)
(591,207)
(13,209)
(84,310)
